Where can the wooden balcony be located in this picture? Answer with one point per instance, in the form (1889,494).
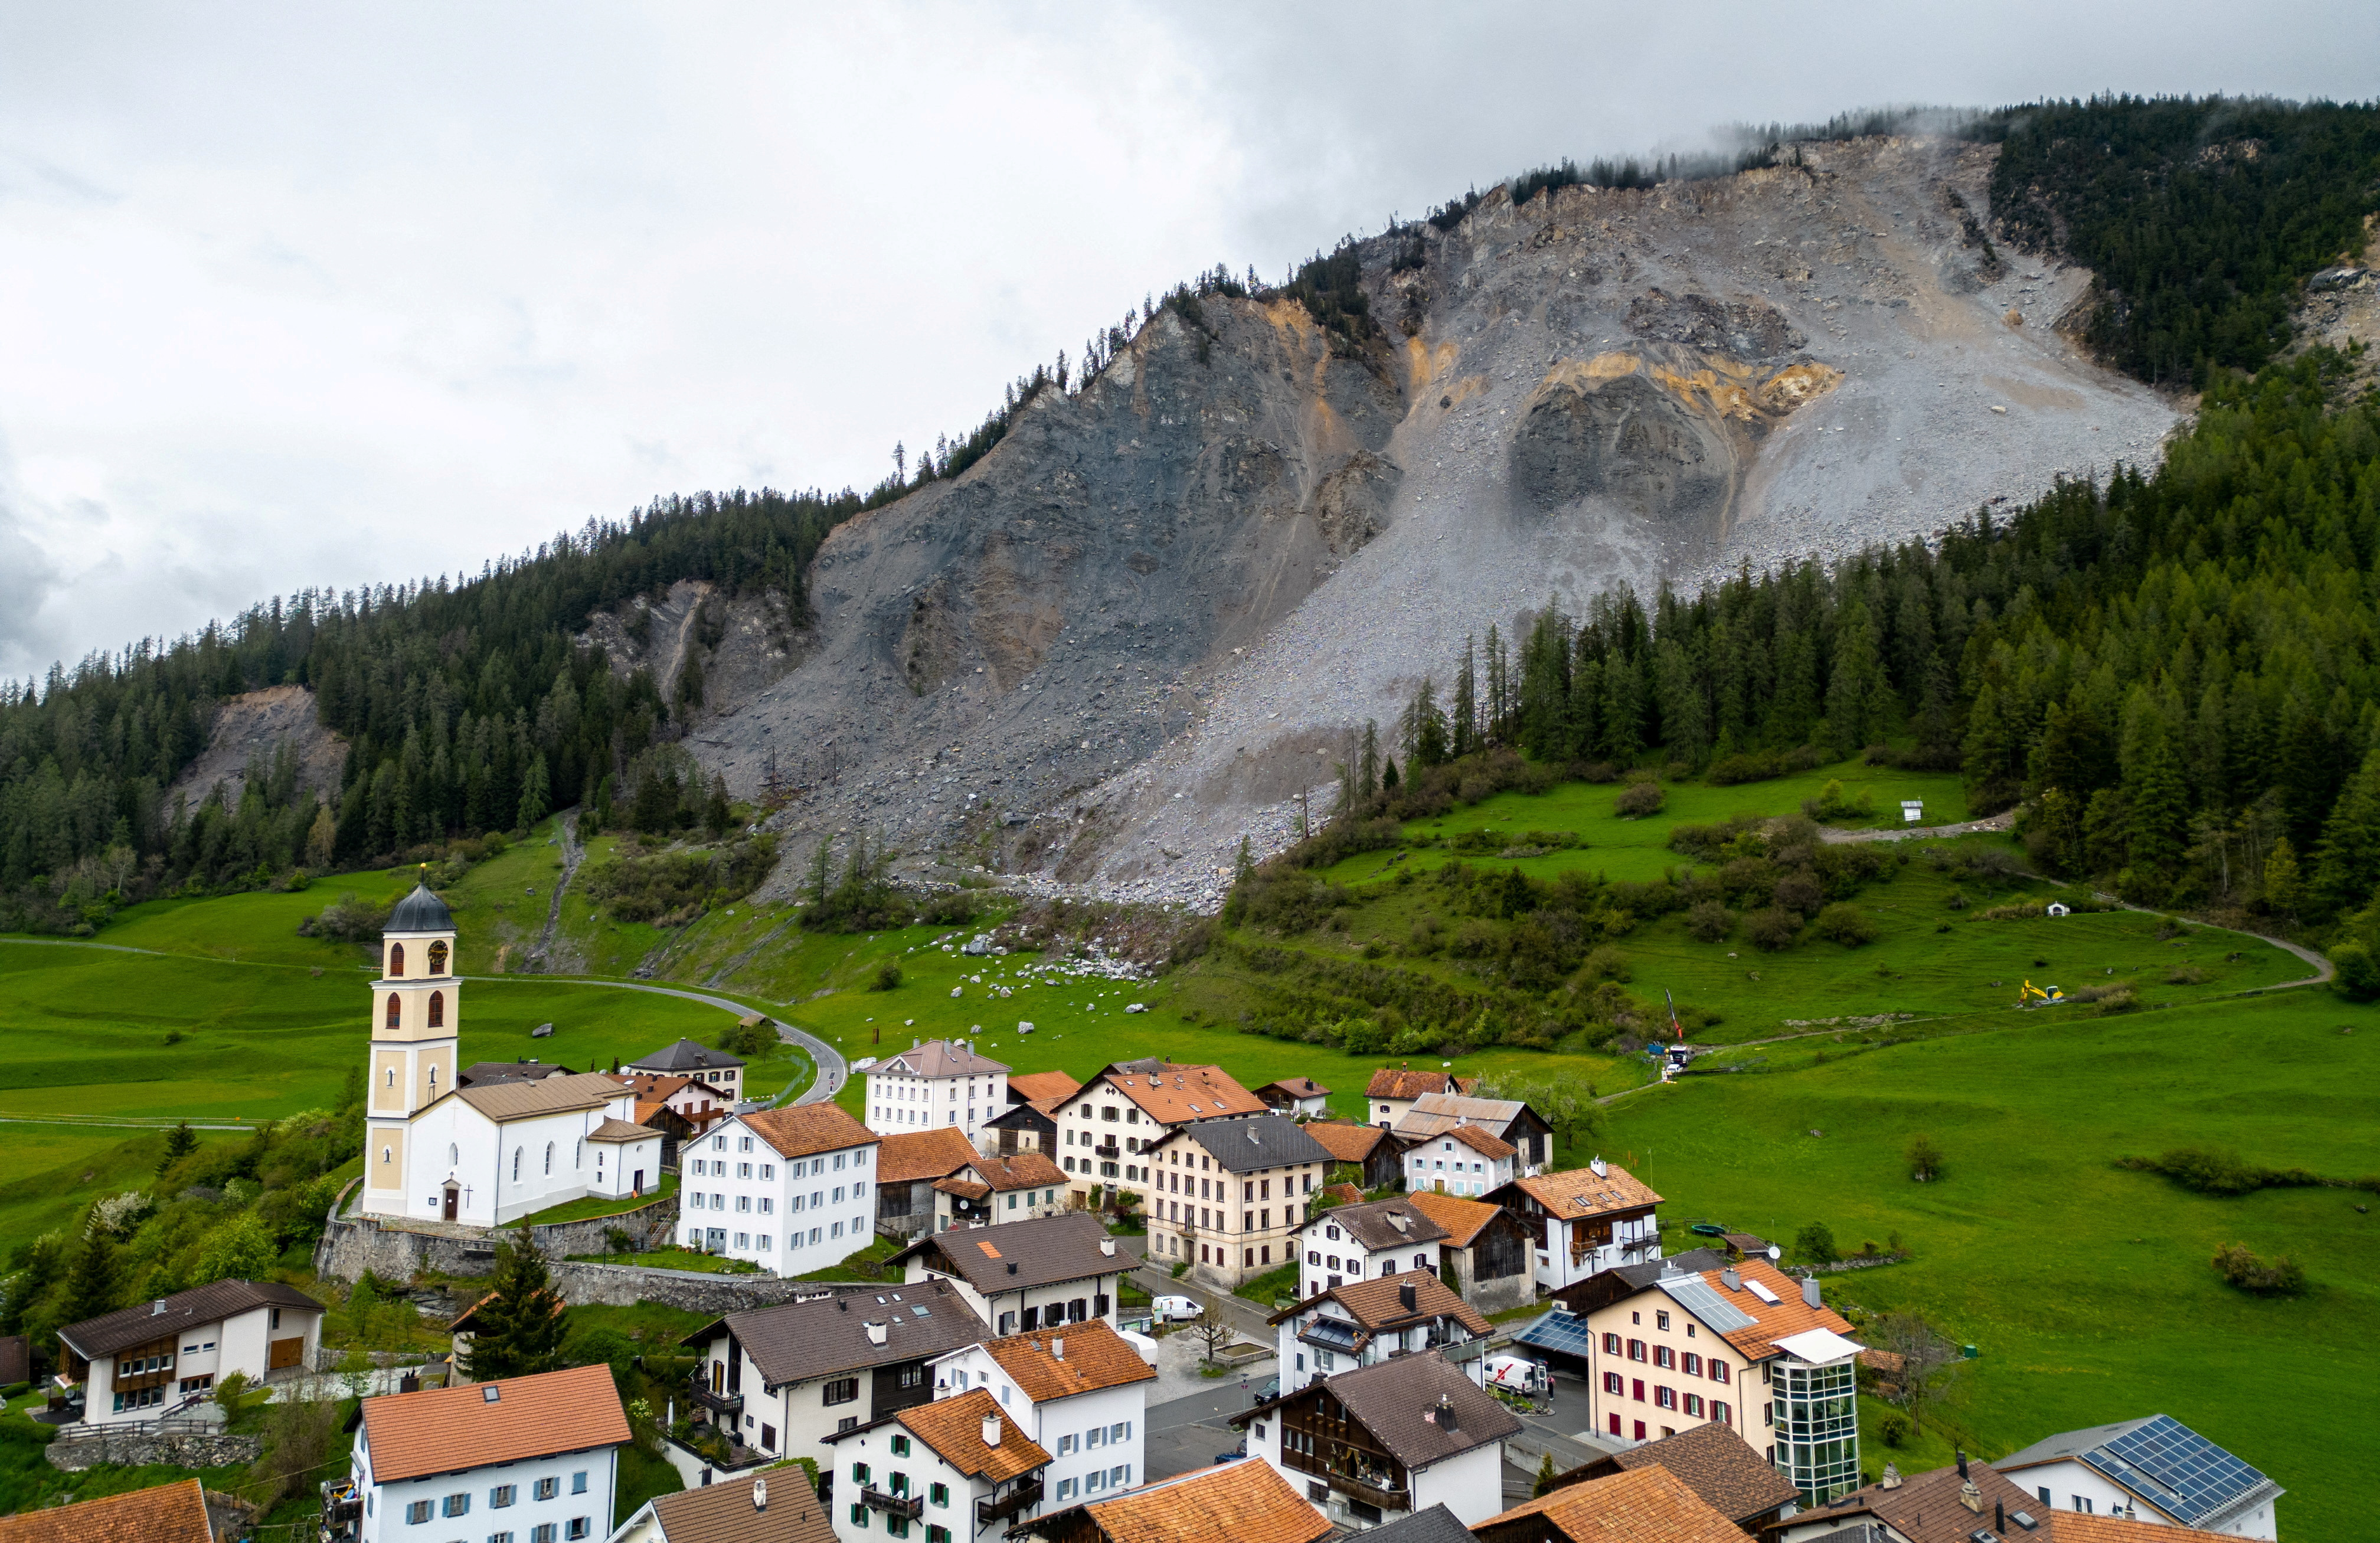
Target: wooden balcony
(910,1506)
(718,1404)
(1023,1498)
(1387,1496)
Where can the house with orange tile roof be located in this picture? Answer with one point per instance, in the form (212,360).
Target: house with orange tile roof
(536,1457)
(1106,1128)
(1585,1220)
(1364,1321)
(1032,1087)
(908,1165)
(1369,1149)
(791,1189)
(1233,1502)
(1744,1346)
(168,1514)
(960,1467)
(987,1191)
(1299,1098)
(1080,1390)
(1393,1091)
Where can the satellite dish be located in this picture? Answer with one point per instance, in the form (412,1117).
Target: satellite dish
(1775,1253)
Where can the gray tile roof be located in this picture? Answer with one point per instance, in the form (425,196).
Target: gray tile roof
(1389,1398)
(1374,1225)
(829,1336)
(109,1333)
(937,1058)
(1435,1525)
(1248,1144)
(1018,1255)
(684,1056)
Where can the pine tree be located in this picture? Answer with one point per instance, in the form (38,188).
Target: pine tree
(2157,802)
(92,1287)
(181,1141)
(1545,1484)
(1388,774)
(535,799)
(521,1323)
(1367,774)
(1464,723)
(1499,688)
(2349,868)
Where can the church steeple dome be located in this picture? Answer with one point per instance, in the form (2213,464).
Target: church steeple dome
(420,912)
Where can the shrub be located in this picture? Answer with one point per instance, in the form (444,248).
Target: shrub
(1771,929)
(2359,971)
(888,976)
(1815,1242)
(1606,963)
(1799,891)
(1728,771)
(2187,975)
(1924,1159)
(1846,924)
(677,886)
(1637,800)
(1894,1431)
(1709,921)
(349,919)
(2279,1276)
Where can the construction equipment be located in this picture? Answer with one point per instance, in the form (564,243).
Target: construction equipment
(2047,995)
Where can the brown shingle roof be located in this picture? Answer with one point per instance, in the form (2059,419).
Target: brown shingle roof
(1295,1087)
(1033,1087)
(806,1128)
(1019,1171)
(1375,1304)
(953,1427)
(965,1189)
(1648,1506)
(1044,1251)
(1478,1139)
(1175,1094)
(1581,1192)
(1391,1397)
(1715,1464)
(169,1513)
(525,1100)
(1374,1223)
(1236,1502)
(121,1329)
(1346,1143)
(619,1130)
(722,1512)
(1784,1318)
(2072,1527)
(441,1431)
(1925,1507)
(910,1156)
(1080,1358)
(828,1336)
(1460,1219)
(1391,1082)
(939,1058)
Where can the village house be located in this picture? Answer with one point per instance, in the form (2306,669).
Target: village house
(1646,1503)
(1485,1248)
(959,1467)
(1231,1194)
(1299,1098)
(1585,1220)
(1023,1127)
(940,1082)
(534,1456)
(1386,1440)
(145,1361)
(1712,1461)
(486,1074)
(1955,1504)
(173,1512)
(1026,1275)
(1368,1150)
(1106,1126)
(1744,1346)
(908,1165)
(699,1102)
(1035,1087)
(1509,1120)
(1355,1243)
(1080,1392)
(1365,1321)
(785,1188)
(1393,1089)
(2155,1469)
(716,1069)
(754,1508)
(1232,1502)
(1461,1160)
(781,1381)
(985,1191)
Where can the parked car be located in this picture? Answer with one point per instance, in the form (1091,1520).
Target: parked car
(1267,1390)
(1175,1309)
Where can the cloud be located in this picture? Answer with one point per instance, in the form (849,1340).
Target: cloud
(324,296)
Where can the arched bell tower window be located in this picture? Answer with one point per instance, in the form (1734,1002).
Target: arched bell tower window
(438,1009)
(438,957)
(396,959)
(395,1011)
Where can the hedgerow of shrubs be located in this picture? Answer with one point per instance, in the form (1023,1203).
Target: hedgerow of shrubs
(672,887)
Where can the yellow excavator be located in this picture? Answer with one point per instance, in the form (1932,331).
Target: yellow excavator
(2048,995)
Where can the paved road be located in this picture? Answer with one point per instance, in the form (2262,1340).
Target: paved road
(833,1070)
(1188,1433)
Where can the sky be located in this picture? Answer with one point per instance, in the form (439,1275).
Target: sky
(316,296)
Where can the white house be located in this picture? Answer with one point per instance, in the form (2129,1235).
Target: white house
(532,1457)
(2151,1469)
(958,1466)
(757,1508)
(786,1188)
(1393,1089)
(1382,1441)
(1357,1242)
(781,1381)
(1365,1321)
(488,1154)
(145,1361)
(722,1073)
(1299,1098)
(987,1191)
(942,1082)
(1585,1220)
(1511,1121)
(1027,1275)
(1466,1161)
(1105,1128)
(1080,1392)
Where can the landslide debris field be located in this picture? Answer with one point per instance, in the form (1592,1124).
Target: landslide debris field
(1132,633)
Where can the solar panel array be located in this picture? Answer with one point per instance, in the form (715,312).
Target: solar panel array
(1566,1333)
(2174,1465)
(1695,1295)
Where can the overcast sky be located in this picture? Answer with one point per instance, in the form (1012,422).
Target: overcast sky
(324,295)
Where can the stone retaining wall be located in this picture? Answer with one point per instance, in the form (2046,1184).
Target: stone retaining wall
(619,1285)
(135,1449)
(398,1250)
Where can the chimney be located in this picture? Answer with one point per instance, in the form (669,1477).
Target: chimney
(1962,1456)
(1999,1518)
(760,1494)
(157,1308)
(1107,1248)
(1971,1497)
(1600,1170)
(1891,1477)
(1057,1350)
(992,1430)
(1731,1280)
(1406,1297)
(1810,1297)
(1446,1416)
(1011,1264)
(876,1333)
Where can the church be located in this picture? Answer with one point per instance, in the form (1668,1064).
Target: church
(479,1156)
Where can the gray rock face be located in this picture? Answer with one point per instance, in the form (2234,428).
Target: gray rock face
(1156,612)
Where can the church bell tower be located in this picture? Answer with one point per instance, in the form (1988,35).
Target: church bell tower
(417,1006)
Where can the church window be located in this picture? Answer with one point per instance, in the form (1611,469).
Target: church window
(396,959)
(392,1076)
(438,1009)
(438,957)
(453,1155)
(516,1156)
(395,1011)
(549,1157)
(386,1153)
